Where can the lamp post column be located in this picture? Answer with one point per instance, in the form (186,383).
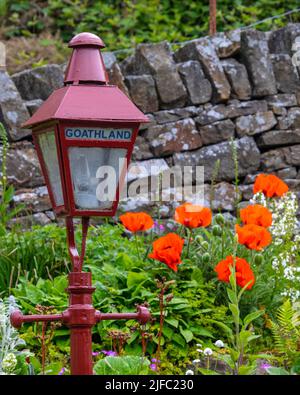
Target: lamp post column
(80,318)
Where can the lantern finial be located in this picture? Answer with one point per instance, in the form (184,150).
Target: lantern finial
(86,64)
(83,39)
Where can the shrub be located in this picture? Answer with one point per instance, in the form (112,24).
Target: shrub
(123,24)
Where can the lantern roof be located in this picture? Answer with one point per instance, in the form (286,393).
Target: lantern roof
(86,102)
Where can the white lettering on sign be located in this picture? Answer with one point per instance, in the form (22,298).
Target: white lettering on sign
(103,134)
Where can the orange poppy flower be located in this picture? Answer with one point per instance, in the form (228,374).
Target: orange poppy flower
(167,249)
(193,216)
(256,215)
(269,185)
(253,237)
(243,272)
(135,222)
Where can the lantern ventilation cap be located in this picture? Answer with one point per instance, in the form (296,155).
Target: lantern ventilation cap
(86,65)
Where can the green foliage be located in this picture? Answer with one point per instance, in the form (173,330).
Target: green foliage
(286,333)
(33,254)
(196,313)
(199,308)
(124,23)
(121,281)
(7,191)
(12,347)
(127,365)
(44,292)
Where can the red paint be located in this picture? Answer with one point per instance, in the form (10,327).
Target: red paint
(86,63)
(86,101)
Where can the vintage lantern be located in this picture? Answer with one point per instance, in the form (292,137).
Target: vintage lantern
(84,134)
(85,126)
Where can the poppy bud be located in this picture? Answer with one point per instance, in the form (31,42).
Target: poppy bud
(206,257)
(258,259)
(199,238)
(219,218)
(217,230)
(205,245)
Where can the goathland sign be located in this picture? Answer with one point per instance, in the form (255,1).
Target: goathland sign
(102,134)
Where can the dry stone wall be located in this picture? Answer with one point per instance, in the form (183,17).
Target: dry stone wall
(238,85)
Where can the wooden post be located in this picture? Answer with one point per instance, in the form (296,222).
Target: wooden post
(212,17)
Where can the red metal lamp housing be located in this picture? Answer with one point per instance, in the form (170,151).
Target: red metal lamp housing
(83,131)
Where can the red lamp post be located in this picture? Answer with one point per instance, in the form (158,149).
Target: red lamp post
(80,132)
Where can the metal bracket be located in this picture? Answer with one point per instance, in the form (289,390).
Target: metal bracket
(77,261)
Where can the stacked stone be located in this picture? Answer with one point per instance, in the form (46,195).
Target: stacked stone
(241,85)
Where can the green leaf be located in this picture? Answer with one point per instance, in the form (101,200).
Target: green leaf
(62,332)
(180,301)
(243,290)
(179,340)
(277,371)
(231,295)
(168,332)
(251,317)
(227,360)
(187,334)
(246,370)
(201,331)
(244,336)
(8,194)
(223,326)
(232,281)
(234,355)
(134,279)
(208,372)
(128,365)
(235,311)
(172,321)
(53,368)
(253,337)
(197,276)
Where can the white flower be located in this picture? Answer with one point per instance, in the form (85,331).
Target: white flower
(207,351)
(9,363)
(199,350)
(199,345)
(189,372)
(284,229)
(219,344)
(195,361)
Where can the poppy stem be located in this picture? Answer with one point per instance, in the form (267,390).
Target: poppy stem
(161,319)
(189,242)
(137,246)
(222,242)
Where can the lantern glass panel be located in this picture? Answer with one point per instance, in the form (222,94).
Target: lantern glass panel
(95,173)
(47,143)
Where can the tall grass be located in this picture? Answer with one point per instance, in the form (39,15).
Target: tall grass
(37,253)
